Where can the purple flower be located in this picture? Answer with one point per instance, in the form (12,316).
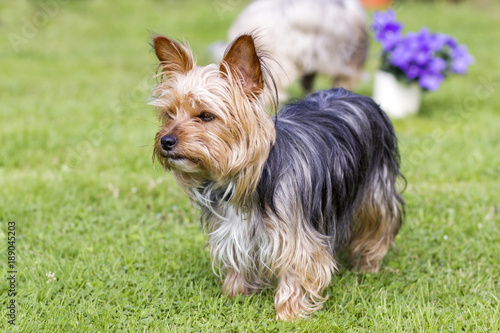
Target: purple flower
(424,36)
(401,56)
(451,42)
(389,36)
(412,71)
(411,41)
(430,81)
(421,46)
(460,66)
(438,41)
(436,65)
(422,56)
(388,30)
(460,60)
(381,19)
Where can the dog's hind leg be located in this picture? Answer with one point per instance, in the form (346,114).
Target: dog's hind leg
(307,82)
(375,223)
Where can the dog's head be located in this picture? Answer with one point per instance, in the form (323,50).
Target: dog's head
(213,123)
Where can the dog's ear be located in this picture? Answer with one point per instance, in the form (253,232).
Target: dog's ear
(173,57)
(241,58)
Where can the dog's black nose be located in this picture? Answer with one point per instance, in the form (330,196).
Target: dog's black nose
(168,142)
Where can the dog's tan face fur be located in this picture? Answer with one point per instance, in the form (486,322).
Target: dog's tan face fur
(220,130)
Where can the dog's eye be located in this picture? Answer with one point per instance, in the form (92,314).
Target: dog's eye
(206,116)
(168,114)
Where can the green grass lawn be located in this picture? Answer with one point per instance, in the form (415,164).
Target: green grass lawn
(125,244)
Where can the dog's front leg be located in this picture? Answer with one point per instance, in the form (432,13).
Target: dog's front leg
(236,284)
(302,281)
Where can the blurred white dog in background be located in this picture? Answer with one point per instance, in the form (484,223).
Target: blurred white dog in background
(305,38)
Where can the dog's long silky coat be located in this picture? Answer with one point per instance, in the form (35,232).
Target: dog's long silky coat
(280,197)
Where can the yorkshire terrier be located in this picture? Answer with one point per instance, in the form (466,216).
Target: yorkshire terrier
(306,38)
(279,196)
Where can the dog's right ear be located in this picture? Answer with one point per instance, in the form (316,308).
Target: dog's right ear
(173,57)
(241,58)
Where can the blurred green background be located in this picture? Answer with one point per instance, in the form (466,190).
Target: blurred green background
(125,244)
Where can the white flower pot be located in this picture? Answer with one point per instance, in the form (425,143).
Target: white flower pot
(397,99)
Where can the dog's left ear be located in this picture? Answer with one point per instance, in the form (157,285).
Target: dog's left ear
(242,60)
(173,57)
